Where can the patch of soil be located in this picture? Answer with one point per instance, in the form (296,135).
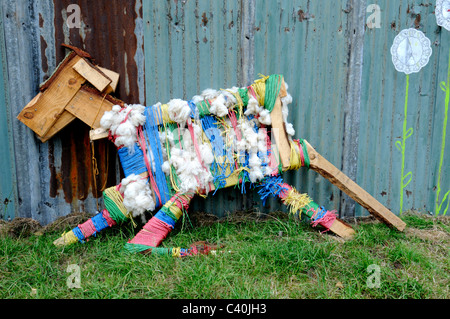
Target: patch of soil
(67,222)
(200,219)
(242,217)
(433,235)
(3,228)
(21,227)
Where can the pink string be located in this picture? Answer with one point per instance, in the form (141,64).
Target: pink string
(326,221)
(233,120)
(111,222)
(302,156)
(197,149)
(152,234)
(181,201)
(251,91)
(87,228)
(284,192)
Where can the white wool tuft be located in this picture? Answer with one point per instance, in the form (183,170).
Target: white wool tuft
(290,129)
(123,123)
(197,99)
(230,99)
(253,107)
(207,154)
(137,195)
(166,168)
(285,101)
(179,111)
(210,94)
(264,117)
(190,171)
(218,106)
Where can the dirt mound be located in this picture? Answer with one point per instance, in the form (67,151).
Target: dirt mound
(67,222)
(433,235)
(200,219)
(20,227)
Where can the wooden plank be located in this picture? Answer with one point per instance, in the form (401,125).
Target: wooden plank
(45,109)
(338,178)
(114,80)
(98,134)
(92,74)
(89,106)
(278,129)
(65,119)
(342,229)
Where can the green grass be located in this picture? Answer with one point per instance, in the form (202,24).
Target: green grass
(261,259)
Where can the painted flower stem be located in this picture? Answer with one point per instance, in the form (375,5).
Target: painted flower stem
(446,88)
(404,179)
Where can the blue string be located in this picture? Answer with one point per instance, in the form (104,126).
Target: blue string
(245,174)
(193,108)
(270,186)
(165,218)
(77,231)
(153,142)
(320,214)
(132,162)
(99,222)
(213,134)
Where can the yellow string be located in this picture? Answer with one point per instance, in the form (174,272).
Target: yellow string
(174,209)
(116,197)
(165,114)
(296,201)
(176,252)
(295,161)
(259,86)
(69,238)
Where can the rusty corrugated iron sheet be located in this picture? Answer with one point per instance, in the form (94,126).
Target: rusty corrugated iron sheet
(107,32)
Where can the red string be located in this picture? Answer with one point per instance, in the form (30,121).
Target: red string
(182,201)
(286,188)
(302,156)
(233,120)
(87,228)
(194,140)
(326,221)
(152,234)
(111,222)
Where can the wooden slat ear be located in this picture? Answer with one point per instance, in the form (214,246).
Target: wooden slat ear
(47,107)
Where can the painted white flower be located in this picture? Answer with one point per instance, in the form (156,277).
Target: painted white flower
(442,13)
(410,51)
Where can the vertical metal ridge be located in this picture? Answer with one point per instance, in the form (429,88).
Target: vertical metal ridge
(352,100)
(247,42)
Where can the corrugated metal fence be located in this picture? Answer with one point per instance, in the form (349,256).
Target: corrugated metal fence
(347,96)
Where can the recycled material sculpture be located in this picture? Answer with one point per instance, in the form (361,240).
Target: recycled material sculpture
(221,138)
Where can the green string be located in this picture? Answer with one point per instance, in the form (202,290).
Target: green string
(243,92)
(305,152)
(113,210)
(273,86)
(203,108)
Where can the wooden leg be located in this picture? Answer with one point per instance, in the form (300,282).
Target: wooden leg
(160,225)
(338,178)
(302,202)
